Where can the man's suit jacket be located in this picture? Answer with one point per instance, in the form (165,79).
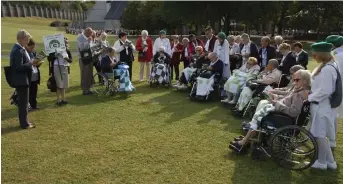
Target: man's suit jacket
(303,59)
(211,44)
(253,50)
(271,54)
(287,63)
(21,67)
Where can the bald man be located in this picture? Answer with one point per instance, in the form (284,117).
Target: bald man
(86,69)
(216,65)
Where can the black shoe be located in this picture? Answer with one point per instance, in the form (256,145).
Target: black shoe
(87,93)
(64,102)
(238,113)
(236,147)
(238,138)
(59,103)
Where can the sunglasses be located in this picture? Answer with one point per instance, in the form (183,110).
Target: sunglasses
(296,80)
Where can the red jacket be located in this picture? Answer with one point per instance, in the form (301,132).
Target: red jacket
(176,55)
(139,47)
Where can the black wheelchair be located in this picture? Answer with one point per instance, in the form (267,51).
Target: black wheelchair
(286,140)
(153,81)
(108,83)
(258,95)
(218,86)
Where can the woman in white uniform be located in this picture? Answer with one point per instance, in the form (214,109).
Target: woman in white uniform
(337,42)
(322,115)
(221,47)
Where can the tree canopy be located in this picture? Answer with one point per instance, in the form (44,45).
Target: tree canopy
(321,17)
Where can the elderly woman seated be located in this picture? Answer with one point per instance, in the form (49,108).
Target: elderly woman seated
(290,104)
(199,62)
(238,78)
(267,77)
(289,87)
(108,62)
(161,56)
(159,70)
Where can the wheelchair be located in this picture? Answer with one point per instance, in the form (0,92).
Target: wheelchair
(109,83)
(153,81)
(258,96)
(286,140)
(218,87)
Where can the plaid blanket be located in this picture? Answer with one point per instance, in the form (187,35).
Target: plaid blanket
(160,73)
(125,84)
(204,86)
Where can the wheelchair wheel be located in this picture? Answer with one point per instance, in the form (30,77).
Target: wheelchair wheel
(192,94)
(100,87)
(257,153)
(293,147)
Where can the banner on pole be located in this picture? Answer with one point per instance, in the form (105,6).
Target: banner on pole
(54,43)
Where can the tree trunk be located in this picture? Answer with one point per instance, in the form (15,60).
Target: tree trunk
(198,28)
(282,17)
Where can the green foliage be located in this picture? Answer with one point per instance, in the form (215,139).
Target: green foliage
(152,15)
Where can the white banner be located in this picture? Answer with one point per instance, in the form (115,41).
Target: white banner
(54,43)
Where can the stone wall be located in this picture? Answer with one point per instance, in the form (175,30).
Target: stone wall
(9,10)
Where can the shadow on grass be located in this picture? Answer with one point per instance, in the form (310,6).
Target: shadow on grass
(10,129)
(262,171)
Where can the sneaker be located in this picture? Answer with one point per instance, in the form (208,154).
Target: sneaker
(141,80)
(59,103)
(225,100)
(332,166)
(232,102)
(183,86)
(318,165)
(332,144)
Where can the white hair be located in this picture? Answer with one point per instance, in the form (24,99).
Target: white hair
(278,38)
(103,34)
(185,39)
(231,38)
(23,34)
(145,32)
(305,75)
(162,48)
(274,62)
(245,36)
(213,54)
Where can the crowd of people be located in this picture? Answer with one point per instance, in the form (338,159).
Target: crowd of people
(236,59)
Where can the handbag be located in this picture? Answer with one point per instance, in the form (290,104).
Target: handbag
(8,75)
(86,56)
(51,84)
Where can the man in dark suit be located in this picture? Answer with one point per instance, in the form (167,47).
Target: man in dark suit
(21,66)
(266,52)
(211,40)
(300,55)
(288,59)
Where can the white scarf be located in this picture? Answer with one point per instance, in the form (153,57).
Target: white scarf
(126,47)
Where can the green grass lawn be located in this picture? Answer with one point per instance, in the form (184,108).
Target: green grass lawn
(152,136)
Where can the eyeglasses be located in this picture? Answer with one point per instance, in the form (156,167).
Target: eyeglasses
(250,63)
(296,80)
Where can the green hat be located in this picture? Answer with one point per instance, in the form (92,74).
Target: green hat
(321,47)
(335,40)
(163,32)
(222,35)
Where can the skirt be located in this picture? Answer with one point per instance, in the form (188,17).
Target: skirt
(61,76)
